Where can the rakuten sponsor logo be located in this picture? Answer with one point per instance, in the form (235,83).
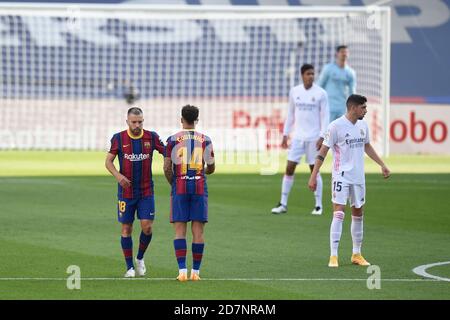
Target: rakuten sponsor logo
(136,157)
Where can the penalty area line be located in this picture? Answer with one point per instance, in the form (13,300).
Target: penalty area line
(222,279)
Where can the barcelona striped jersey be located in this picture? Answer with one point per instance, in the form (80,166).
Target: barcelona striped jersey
(189,151)
(135,158)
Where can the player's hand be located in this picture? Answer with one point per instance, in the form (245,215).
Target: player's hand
(284,143)
(319,143)
(312,183)
(386,172)
(123,181)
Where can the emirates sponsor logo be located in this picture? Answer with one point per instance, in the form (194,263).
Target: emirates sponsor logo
(136,157)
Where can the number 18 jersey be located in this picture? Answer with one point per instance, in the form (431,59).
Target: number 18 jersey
(189,150)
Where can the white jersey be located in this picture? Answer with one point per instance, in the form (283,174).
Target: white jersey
(347,142)
(308,111)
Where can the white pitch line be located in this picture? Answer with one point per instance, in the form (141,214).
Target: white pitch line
(219,279)
(421,271)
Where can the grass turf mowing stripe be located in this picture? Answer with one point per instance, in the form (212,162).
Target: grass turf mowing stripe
(74,163)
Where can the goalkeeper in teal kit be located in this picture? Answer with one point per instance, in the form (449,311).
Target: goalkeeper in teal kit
(339,81)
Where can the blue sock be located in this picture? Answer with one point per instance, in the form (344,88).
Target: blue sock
(127,248)
(197,255)
(144,241)
(180,252)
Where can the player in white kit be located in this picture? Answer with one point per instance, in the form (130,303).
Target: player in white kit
(348,138)
(309,114)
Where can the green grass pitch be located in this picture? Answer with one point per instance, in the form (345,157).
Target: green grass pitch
(59,209)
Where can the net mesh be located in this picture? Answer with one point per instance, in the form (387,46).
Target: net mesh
(67,79)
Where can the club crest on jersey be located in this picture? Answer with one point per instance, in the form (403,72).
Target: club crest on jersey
(147,144)
(313,99)
(362,132)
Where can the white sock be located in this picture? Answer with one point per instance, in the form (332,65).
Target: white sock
(182,270)
(195,271)
(357,233)
(286,187)
(318,192)
(336,231)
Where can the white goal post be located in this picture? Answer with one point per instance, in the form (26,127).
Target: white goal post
(65,69)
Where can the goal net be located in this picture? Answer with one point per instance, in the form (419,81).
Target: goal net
(66,71)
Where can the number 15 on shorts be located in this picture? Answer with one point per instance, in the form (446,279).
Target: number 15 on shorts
(336,192)
(337,186)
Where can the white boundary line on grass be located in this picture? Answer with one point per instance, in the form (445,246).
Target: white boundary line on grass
(421,271)
(223,279)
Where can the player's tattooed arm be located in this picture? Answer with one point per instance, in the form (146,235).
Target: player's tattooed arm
(312,183)
(168,172)
(319,143)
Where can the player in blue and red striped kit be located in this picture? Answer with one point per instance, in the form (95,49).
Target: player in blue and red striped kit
(187,152)
(134,148)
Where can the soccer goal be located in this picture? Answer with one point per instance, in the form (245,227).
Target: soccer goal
(69,73)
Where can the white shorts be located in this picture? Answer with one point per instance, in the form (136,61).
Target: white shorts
(299,148)
(342,191)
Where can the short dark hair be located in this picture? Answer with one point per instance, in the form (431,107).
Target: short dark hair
(342,46)
(355,100)
(306,67)
(135,110)
(189,113)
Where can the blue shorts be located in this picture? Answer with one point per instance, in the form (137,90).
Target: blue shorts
(188,207)
(145,208)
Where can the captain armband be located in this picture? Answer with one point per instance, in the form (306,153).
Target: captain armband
(319,157)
